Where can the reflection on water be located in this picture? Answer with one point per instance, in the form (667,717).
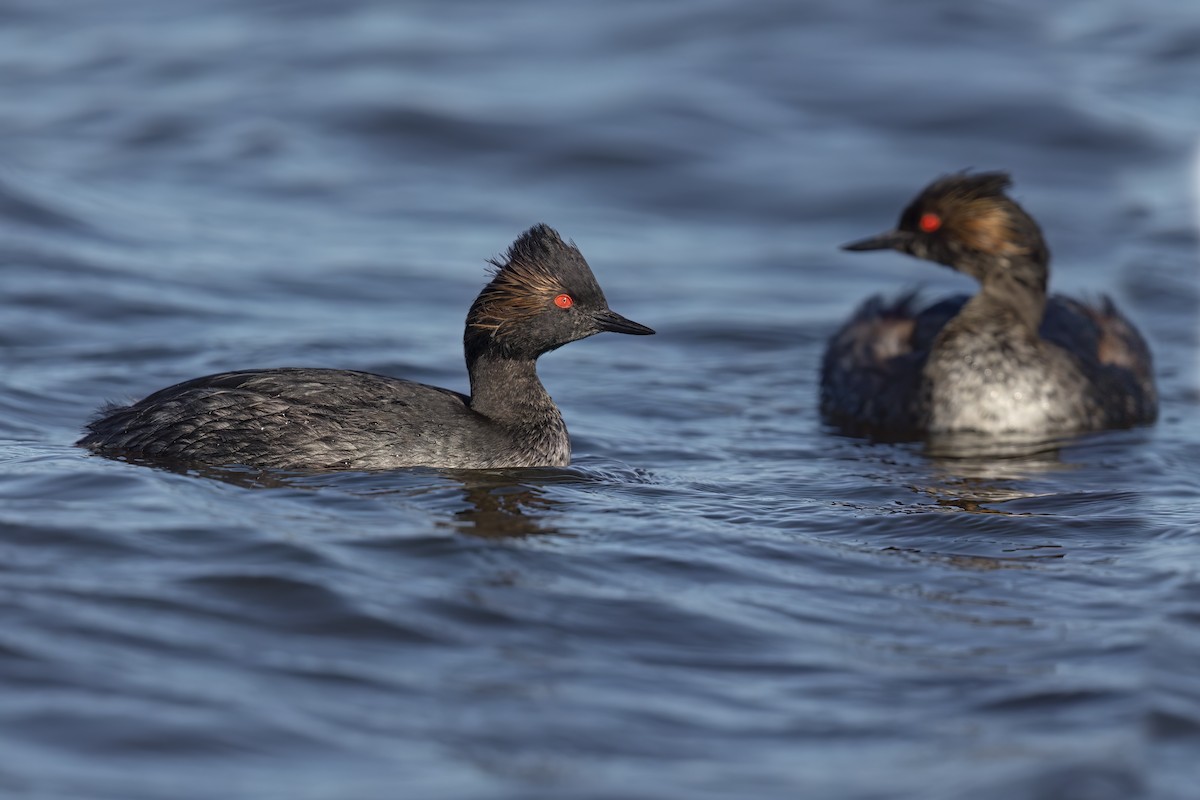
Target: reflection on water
(500,505)
(979,474)
(974,472)
(984,563)
(990,455)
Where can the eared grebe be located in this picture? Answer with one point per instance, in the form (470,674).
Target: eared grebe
(542,296)
(1007,359)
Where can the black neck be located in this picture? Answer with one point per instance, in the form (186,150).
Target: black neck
(506,390)
(1014,289)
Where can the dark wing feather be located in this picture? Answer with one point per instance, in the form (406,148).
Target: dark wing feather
(270,418)
(870,375)
(1111,352)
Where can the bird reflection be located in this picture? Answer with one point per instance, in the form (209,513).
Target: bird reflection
(973,472)
(992,457)
(498,503)
(504,504)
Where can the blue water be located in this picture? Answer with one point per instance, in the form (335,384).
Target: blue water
(721,598)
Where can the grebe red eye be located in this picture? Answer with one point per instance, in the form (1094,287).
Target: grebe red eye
(929,222)
(564,301)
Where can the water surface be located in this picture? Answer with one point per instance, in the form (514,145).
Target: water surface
(721,597)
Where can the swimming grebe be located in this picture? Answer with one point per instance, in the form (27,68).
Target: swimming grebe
(542,296)
(1005,360)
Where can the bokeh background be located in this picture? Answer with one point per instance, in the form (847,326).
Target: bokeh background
(722,598)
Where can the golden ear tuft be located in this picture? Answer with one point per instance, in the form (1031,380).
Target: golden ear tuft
(974,208)
(518,291)
(985,224)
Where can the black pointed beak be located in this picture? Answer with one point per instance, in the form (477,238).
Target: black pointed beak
(890,240)
(609,320)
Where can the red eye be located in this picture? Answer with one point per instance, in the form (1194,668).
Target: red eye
(929,222)
(564,301)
